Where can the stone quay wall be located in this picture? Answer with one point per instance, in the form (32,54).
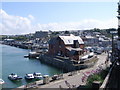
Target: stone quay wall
(65,63)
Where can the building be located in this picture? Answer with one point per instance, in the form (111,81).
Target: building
(70,46)
(40,34)
(90,40)
(104,42)
(9,40)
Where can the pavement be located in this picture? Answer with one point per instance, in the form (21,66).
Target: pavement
(74,80)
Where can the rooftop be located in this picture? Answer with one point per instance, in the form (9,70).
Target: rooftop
(70,39)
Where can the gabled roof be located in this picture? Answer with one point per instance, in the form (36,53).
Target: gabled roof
(70,39)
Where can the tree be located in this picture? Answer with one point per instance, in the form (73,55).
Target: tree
(67,32)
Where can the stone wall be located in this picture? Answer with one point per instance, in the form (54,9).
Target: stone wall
(65,63)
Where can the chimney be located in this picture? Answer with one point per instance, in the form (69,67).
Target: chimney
(75,44)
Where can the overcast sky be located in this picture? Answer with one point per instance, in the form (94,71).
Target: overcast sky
(28,17)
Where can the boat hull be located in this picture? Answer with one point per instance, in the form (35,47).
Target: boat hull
(29,78)
(14,79)
(38,77)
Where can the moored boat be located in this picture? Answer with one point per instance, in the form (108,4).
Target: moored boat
(33,54)
(37,75)
(13,76)
(2,81)
(29,76)
(26,56)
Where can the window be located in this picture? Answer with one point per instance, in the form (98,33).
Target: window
(69,41)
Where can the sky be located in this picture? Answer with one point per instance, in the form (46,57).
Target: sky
(28,17)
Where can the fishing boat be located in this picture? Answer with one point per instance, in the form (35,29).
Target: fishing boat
(14,76)
(29,76)
(37,75)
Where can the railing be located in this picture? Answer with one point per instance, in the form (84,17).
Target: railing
(104,84)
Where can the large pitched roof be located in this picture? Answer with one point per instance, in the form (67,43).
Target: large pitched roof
(70,39)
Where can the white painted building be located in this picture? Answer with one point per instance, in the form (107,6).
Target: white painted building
(91,41)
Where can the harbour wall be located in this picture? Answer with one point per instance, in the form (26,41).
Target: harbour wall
(65,63)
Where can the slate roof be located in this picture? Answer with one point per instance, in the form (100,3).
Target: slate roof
(70,39)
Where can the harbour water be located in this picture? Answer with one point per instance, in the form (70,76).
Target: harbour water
(13,61)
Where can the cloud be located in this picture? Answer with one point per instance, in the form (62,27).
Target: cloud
(15,24)
(22,25)
(82,25)
(31,17)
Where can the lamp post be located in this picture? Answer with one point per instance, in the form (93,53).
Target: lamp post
(118,43)
(113,32)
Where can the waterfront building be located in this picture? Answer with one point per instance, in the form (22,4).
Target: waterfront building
(9,40)
(70,46)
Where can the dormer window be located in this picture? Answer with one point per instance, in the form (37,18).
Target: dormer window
(69,41)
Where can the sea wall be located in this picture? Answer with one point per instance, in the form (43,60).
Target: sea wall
(59,63)
(65,63)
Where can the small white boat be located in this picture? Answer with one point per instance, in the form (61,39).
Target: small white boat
(26,56)
(37,57)
(1,82)
(37,75)
(33,54)
(84,57)
(91,55)
(14,77)
(29,76)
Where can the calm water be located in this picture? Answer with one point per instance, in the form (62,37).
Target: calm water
(13,61)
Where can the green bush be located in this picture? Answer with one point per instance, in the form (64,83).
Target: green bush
(92,78)
(97,77)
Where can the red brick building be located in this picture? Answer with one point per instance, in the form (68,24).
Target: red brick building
(69,46)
